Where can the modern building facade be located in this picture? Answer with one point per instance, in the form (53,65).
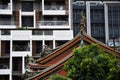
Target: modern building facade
(102,18)
(26,26)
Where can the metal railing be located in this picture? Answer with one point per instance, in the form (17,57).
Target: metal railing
(47,7)
(37,32)
(7,22)
(52,23)
(4,66)
(20,48)
(4,6)
(5,32)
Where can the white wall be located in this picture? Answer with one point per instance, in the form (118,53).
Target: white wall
(7,26)
(21,34)
(63,35)
(5,71)
(54,12)
(20,53)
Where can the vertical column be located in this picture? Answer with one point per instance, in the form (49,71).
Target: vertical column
(70,14)
(43,45)
(53,42)
(11,5)
(16,13)
(43,41)
(88,18)
(34,18)
(23,65)
(10,76)
(106,22)
(0,43)
(67,4)
(11,57)
(37,15)
(20,22)
(30,44)
(43,6)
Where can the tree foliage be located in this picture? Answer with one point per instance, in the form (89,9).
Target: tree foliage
(58,77)
(92,63)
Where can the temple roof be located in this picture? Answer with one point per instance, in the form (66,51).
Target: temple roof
(57,59)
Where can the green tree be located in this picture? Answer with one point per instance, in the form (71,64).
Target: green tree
(58,77)
(92,63)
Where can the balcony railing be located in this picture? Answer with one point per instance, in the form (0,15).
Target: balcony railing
(5,6)
(54,7)
(53,23)
(5,32)
(37,32)
(20,48)
(7,22)
(4,66)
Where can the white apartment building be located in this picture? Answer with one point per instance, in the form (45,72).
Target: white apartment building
(26,26)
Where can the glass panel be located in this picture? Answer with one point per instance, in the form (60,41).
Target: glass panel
(48,32)
(27,21)
(27,6)
(114,21)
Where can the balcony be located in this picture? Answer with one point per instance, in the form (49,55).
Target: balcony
(54,7)
(6,9)
(5,32)
(54,10)
(5,24)
(20,48)
(54,34)
(4,66)
(53,24)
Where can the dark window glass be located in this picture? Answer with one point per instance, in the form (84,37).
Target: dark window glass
(38,47)
(27,21)
(27,6)
(114,21)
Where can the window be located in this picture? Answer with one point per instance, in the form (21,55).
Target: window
(27,6)
(48,32)
(114,21)
(17,64)
(38,47)
(5,20)
(27,21)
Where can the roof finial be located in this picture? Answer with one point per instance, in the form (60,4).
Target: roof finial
(82,26)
